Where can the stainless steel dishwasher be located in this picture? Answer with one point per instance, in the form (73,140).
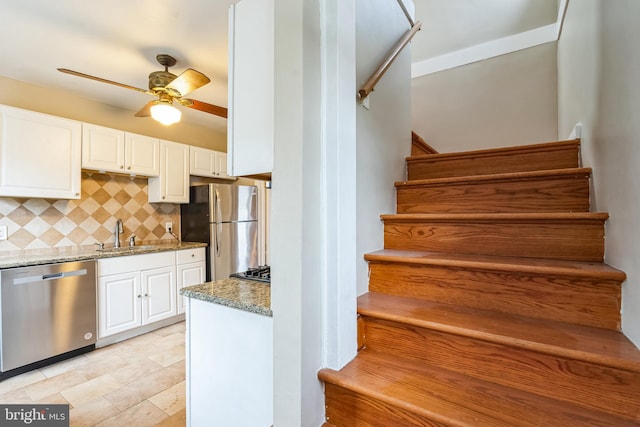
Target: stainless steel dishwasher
(47,313)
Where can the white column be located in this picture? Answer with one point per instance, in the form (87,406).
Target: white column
(313,202)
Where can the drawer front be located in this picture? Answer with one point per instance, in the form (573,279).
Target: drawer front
(190,255)
(124,264)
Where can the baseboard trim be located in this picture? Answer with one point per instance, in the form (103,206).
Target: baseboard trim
(112,339)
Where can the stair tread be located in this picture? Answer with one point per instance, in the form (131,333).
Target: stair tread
(522,240)
(486,262)
(455,399)
(497,177)
(601,346)
(503,150)
(513,217)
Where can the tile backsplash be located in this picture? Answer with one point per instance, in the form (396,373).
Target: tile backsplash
(47,223)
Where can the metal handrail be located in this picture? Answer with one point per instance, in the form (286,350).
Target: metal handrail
(367,88)
(406,12)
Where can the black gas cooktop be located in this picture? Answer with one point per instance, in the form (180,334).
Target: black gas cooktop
(261,274)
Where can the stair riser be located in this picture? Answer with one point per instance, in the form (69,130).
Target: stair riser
(585,384)
(345,408)
(578,300)
(578,241)
(559,157)
(550,195)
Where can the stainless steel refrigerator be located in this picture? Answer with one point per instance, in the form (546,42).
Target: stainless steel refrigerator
(225,217)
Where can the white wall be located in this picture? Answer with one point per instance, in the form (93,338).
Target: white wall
(503,101)
(598,71)
(384,130)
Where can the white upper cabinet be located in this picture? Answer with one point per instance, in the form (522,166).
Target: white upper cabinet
(39,155)
(112,150)
(172,185)
(250,125)
(102,148)
(141,154)
(209,163)
(220,161)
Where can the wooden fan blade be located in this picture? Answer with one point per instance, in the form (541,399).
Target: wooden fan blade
(99,79)
(187,82)
(146,110)
(203,106)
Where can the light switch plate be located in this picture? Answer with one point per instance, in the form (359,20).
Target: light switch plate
(168,227)
(4,232)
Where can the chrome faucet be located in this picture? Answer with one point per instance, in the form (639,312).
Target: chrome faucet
(119,229)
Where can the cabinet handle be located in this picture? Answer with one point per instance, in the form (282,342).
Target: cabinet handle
(129,168)
(146,295)
(121,166)
(193,255)
(162,197)
(139,296)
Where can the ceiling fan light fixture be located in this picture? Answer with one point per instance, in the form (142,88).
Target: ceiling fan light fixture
(165,113)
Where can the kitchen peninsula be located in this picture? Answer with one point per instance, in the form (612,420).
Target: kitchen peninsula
(229,353)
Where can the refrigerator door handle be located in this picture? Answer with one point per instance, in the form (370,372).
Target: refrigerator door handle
(218,234)
(218,208)
(218,219)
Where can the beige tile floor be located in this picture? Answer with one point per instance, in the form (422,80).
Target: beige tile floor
(138,382)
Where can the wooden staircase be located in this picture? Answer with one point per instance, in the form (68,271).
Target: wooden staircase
(490,304)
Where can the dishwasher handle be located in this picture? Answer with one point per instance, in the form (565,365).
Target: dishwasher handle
(50,276)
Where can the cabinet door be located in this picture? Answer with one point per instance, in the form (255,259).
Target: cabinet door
(102,148)
(159,297)
(119,299)
(209,163)
(250,129)
(142,155)
(201,162)
(189,275)
(220,161)
(40,155)
(172,186)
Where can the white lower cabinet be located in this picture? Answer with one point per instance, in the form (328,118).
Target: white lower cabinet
(118,303)
(159,294)
(135,290)
(191,270)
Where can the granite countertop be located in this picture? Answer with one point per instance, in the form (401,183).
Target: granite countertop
(247,295)
(83,253)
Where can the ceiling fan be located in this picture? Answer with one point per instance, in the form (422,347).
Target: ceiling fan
(167,87)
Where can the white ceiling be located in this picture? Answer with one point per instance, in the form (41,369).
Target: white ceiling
(119,39)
